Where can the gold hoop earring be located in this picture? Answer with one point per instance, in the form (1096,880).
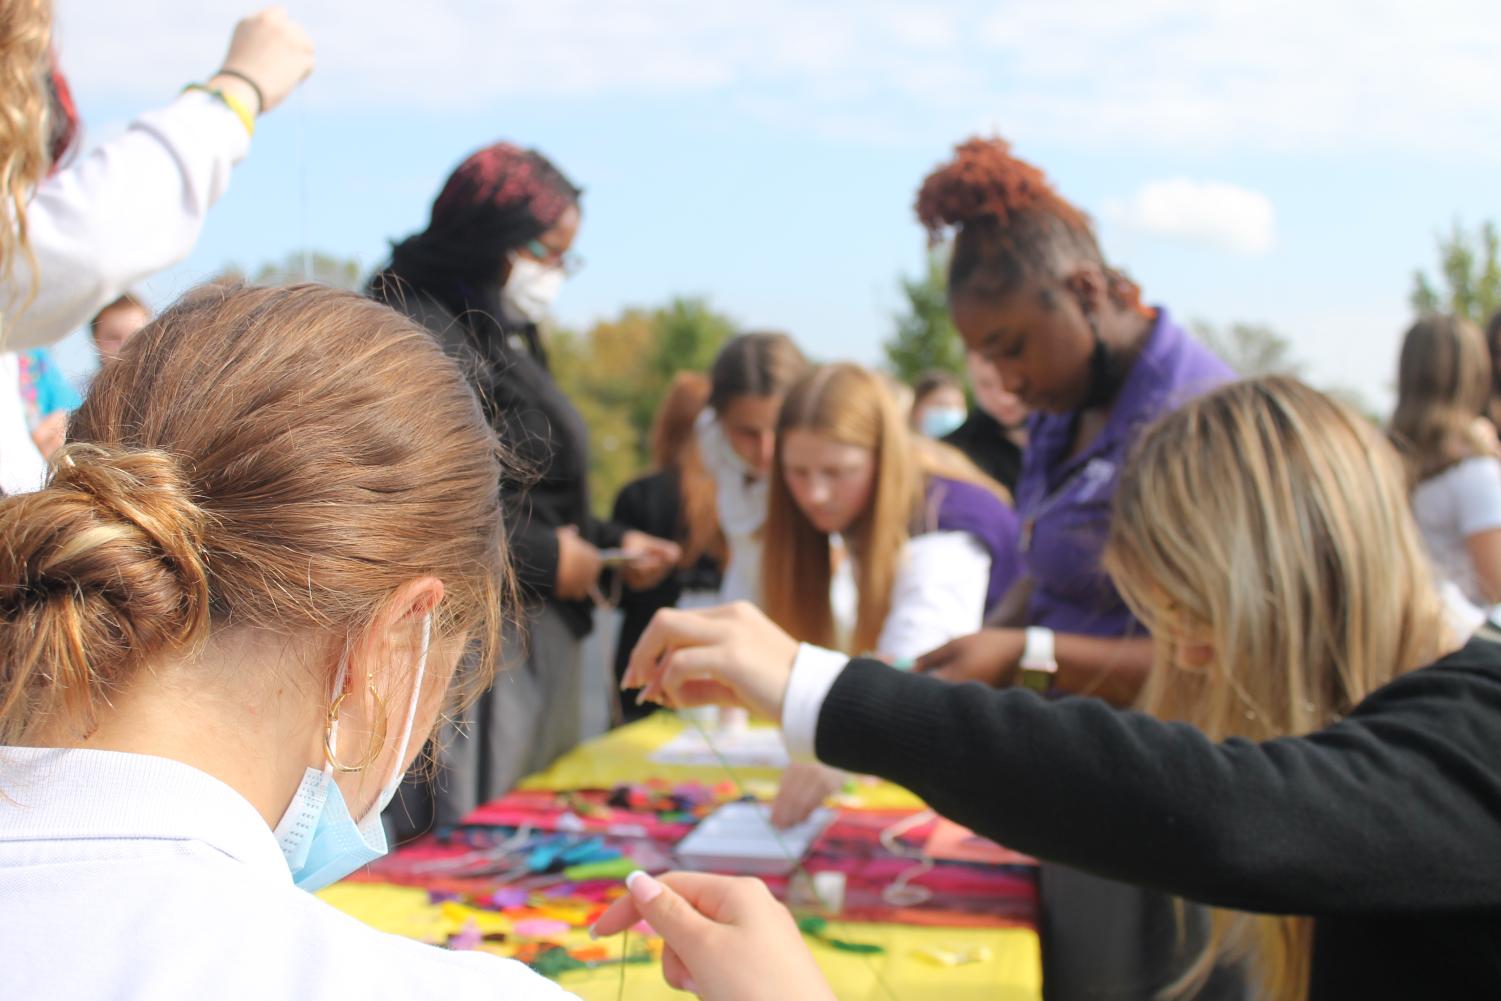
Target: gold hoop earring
(376,744)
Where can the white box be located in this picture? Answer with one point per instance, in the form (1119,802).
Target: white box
(739,838)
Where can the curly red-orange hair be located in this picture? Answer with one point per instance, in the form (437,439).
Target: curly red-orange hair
(985,183)
(1008,221)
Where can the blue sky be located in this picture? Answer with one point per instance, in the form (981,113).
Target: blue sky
(1280,162)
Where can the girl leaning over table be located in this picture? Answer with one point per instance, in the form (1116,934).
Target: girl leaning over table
(231,619)
(737,435)
(1033,297)
(1317,760)
(877,539)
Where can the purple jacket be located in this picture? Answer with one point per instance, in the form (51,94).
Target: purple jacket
(956,506)
(1065,503)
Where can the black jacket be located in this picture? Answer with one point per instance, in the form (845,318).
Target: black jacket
(653,504)
(1385,827)
(545,436)
(983,439)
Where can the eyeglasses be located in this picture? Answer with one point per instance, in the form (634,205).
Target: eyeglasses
(568,263)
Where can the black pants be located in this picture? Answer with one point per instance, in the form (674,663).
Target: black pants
(1108,941)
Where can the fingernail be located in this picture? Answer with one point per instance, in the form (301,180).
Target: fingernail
(643,887)
(593,932)
(690,987)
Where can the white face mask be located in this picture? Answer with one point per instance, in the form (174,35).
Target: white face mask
(530,290)
(321,841)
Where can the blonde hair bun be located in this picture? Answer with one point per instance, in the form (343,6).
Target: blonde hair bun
(105,567)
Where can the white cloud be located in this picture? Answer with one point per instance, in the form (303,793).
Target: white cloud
(1224,216)
(1377,76)
(1279,75)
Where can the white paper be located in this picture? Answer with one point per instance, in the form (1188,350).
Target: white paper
(740,838)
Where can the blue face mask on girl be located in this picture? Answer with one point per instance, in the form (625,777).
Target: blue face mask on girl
(322,842)
(940,422)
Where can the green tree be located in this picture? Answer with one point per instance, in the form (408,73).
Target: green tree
(686,335)
(617,372)
(1249,348)
(925,338)
(1254,349)
(326,269)
(1469,272)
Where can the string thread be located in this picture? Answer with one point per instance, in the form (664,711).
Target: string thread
(795,861)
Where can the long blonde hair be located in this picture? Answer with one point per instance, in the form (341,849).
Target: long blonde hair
(1271,522)
(25,37)
(853,407)
(1443,385)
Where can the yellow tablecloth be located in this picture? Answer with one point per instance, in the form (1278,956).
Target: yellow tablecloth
(623,755)
(1011,970)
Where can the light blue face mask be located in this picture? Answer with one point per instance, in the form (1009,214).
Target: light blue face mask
(940,422)
(322,842)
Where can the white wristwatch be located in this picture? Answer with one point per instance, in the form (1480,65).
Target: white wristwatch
(1038,664)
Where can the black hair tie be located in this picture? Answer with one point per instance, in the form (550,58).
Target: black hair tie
(260,96)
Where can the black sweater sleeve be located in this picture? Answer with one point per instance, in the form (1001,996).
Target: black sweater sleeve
(1396,808)
(534,549)
(604,534)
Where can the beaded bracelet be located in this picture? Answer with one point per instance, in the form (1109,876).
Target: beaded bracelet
(229,101)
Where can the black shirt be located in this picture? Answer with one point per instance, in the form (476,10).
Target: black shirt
(983,439)
(546,439)
(1385,827)
(653,504)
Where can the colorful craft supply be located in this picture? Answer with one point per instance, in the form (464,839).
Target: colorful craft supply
(616,868)
(467,938)
(555,961)
(525,875)
(955,957)
(541,927)
(508,896)
(817,928)
(486,922)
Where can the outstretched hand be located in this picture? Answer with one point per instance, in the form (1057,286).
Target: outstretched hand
(726,939)
(652,559)
(731,655)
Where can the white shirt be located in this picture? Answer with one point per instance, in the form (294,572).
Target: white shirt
(130,208)
(938,595)
(1462,501)
(138,878)
(22,467)
(741,500)
(814,672)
